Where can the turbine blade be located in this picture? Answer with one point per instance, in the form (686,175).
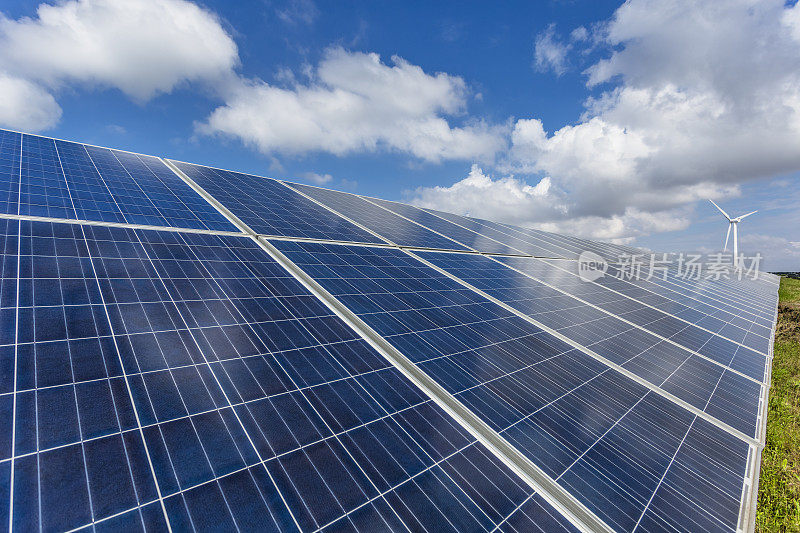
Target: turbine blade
(720,209)
(727,235)
(748,214)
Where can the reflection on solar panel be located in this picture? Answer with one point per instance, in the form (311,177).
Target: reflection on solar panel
(505,235)
(190,348)
(576,418)
(395,228)
(194,376)
(73,181)
(469,238)
(714,385)
(271,208)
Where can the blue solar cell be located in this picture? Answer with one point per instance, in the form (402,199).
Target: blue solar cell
(383,222)
(579,421)
(705,480)
(43,190)
(61,179)
(270,208)
(10,148)
(691,378)
(189,373)
(467,237)
(747,310)
(622,304)
(502,234)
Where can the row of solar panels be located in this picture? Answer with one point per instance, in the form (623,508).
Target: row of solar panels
(189,377)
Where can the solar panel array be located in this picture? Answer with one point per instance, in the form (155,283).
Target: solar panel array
(190,348)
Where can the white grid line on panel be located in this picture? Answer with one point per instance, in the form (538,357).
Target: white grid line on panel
(642,328)
(652,307)
(127,383)
(658,390)
(562,500)
(16,351)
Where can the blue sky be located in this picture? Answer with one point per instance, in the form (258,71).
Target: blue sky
(607,120)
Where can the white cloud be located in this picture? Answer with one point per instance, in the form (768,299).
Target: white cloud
(141,47)
(544,206)
(356,103)
(484,197)
(316,179)
(298,12)
(25,105)
(348,185)
(550,53)
(779,253)
(695,99)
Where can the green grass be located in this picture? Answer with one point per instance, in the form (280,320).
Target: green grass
(789,291)
(779,484)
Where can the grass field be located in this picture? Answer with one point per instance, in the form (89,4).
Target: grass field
(779,485)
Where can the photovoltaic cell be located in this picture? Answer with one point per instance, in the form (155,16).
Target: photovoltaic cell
(187,377)
(10,147)
(383,222)
(60,179)
(713,388)
(468,238)
(43,189)
(271,208)
(686,334)
(606,439)
(719,293)
(735,327)
(502,234)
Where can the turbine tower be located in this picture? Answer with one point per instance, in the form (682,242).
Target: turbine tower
(732,223)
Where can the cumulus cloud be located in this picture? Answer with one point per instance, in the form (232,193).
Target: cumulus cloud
(550,53)
(354,102)
(140,47)
(25,105)
(482,196)
(316,179)
(543,205)
(691,100)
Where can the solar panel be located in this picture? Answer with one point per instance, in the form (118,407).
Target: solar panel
(270,208)
(10,147)
(187,377)
(147,192)
(382,221)
(718,387)
(467,237)
(716,339)
(736,325)
(579,421)
(324,376)
(66,180)
(499,233)
(716,293)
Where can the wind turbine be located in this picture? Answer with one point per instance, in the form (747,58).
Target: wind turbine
(733,223)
